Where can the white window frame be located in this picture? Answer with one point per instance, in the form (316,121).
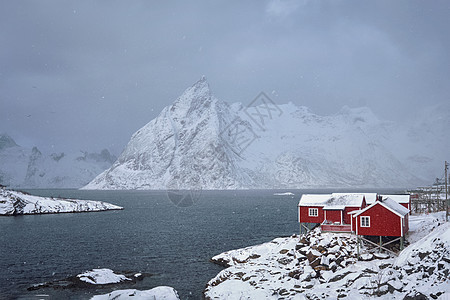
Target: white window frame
(365,223)
(313,212)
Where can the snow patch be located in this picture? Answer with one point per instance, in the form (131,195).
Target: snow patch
(159,293)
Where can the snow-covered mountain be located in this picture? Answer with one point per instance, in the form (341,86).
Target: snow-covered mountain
(182,148)
(30,168)
(201,142)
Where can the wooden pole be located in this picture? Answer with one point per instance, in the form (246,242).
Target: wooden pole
(446,192)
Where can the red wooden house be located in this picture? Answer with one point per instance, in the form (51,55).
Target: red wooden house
(384,217)
(330,210)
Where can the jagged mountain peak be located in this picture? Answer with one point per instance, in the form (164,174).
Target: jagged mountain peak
(36,152)
(22,167)
(6,141)
(194,97)
(184,147)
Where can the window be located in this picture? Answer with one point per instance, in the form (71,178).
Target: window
(365,221)
(313,212)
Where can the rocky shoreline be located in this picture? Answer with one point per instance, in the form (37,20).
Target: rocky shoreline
(325,265)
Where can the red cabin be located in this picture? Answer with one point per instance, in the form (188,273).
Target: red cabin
(384,217)
(330,210)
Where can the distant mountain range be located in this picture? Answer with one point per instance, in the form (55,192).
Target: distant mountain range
(201,142)
(30,168)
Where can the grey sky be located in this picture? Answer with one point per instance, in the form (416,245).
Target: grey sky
(85,75)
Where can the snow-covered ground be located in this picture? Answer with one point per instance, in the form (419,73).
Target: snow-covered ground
(325,266)
(19,203)
(157,293)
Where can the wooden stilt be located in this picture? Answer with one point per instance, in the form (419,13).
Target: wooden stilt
(393,241)
(378,246)
(303,226)
(357,246)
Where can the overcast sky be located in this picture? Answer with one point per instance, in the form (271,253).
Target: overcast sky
(85,75)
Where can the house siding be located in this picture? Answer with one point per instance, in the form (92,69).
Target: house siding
(305,218)
(333,215)
(383,222)
(405,205)
(347,217)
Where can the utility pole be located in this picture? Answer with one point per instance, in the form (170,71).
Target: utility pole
(446,192)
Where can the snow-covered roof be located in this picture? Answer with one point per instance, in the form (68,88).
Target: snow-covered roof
(397,198)
(314,199)
(394,205)
(389,204)
(332,201)
(370,197)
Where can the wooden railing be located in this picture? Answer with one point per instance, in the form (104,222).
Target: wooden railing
(336,228)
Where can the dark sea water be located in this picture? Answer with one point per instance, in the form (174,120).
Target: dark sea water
(151,235)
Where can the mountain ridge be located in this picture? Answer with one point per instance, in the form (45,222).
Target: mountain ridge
(21,167)
(192,144)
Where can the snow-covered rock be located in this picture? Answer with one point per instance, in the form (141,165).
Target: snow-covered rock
(19,203)
(102,276)
(201,142)
(93,278)
(30,168)
(324,266)
(157,293)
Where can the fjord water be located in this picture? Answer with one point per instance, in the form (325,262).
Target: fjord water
(157,233)
(153,234)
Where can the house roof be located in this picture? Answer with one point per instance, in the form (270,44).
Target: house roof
(389,204)
(332,201)
(314,199)
(370,197)
(397,198)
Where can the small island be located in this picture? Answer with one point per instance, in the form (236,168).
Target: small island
(13,203)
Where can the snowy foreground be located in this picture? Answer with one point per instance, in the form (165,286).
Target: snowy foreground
(324,266)
(18,203)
